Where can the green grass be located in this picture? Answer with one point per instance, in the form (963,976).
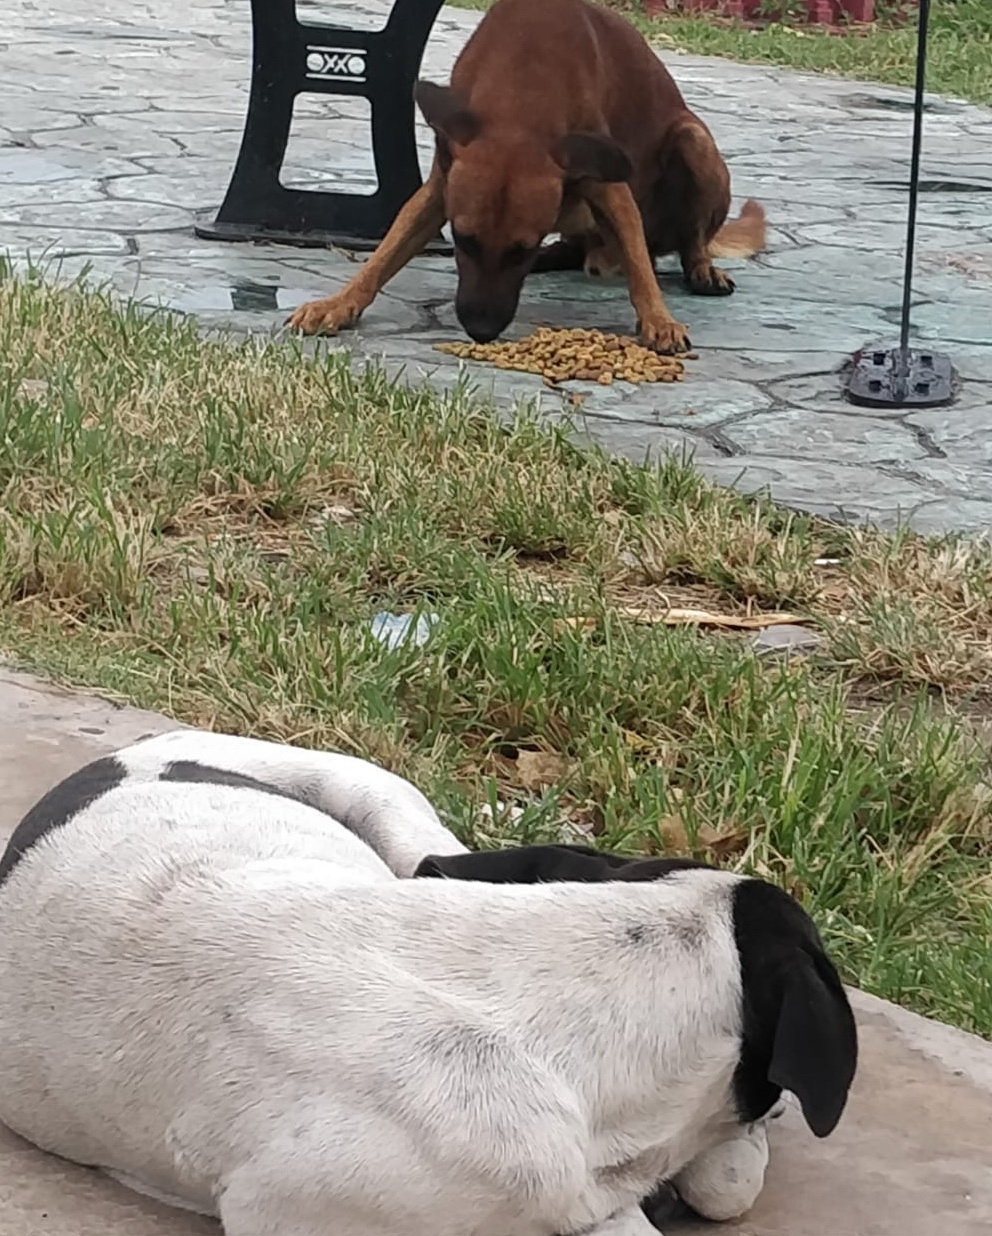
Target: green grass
(207,529)
(959,60)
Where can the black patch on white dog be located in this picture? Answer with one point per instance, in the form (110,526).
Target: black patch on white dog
(549,864)
(60,805)
(799,1031)
(526,864)
(191,772)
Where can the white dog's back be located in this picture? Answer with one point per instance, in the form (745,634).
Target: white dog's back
(219,983)
(211,986)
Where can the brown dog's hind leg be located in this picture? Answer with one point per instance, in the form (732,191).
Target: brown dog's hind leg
(560,255)
(615,205)
(419,220)
(702,278)
(698,184)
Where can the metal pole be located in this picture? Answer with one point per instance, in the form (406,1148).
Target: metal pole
(914,189)
(882,376)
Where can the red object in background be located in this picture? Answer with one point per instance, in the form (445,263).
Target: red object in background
(827,12)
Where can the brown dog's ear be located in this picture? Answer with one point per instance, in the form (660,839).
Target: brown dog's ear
(447,113)
(590,156)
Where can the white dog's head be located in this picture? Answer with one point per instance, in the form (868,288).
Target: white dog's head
(797,1031)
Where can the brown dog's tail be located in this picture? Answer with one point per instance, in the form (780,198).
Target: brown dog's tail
(744,236)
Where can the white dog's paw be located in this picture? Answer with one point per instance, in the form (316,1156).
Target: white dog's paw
(724,1182)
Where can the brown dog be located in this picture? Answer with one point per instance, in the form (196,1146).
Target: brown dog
(560,118)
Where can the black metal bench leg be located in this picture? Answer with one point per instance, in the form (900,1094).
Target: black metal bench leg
(291,58)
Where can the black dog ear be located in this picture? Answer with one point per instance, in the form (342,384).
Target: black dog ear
(447,113)
(486,866)
(798,1031)
(433,866)
(547,864)
(527,864)
(590,156)
(815,1051)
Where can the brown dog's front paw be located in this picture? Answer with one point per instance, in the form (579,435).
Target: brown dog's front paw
(665,336)
(709,281)
(327,316)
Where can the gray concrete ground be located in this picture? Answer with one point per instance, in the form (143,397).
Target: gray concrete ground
(911,1157)
(118,128)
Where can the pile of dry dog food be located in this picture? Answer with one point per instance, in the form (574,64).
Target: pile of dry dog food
(583,355)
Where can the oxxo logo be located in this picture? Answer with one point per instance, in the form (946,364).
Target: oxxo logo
(329,64)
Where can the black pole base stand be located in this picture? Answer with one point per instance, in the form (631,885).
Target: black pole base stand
(904,377)
(291,57)
(891,378)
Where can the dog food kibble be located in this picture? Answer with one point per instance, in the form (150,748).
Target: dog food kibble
(566,355)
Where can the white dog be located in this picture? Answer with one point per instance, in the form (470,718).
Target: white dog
(214,986)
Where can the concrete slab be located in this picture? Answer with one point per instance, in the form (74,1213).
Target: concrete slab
(47,732)
(913,1154)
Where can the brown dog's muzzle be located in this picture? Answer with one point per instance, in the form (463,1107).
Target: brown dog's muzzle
(482,323)
(486,304)
(484,320)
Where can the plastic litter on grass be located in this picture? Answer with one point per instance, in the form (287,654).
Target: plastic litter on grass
(394,630)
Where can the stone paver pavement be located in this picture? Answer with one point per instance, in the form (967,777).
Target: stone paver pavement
(911,1156)
(119,127)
